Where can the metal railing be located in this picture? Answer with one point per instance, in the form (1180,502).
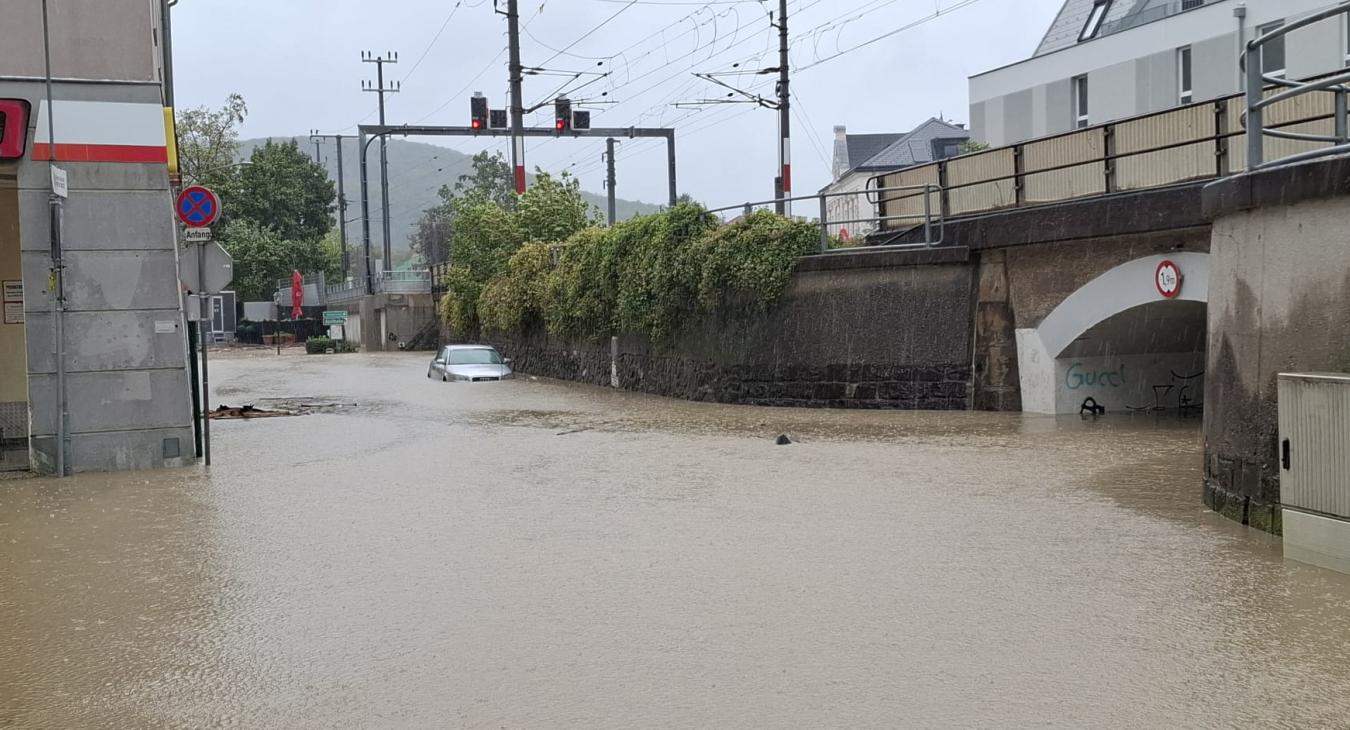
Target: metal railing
(1177,146)
(1260,98)
(404,282)
(345,292)
(388,282)
(926,215)
(1152,14)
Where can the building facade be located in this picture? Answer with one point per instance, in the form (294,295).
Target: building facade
(124,391)
(858,158)
(1105,60)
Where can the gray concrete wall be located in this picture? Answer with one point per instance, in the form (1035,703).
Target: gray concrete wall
(1112,93)
(1315,49)
(402,315)
(1214,70)
(1058,107)
(91,39)
(876,337)
(1279,302)
(1157,82)
(1020,117)
(128,388)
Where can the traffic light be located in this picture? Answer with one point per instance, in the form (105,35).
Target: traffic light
(581,121)
(562,114)
(478,112)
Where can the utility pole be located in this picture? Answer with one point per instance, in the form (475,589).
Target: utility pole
(342,197)
(784,111)
(517,102)
(609,182)
(379,88)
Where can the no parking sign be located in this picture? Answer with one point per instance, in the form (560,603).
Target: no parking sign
(197,206)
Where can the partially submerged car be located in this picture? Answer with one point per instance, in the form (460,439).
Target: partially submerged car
(470,364)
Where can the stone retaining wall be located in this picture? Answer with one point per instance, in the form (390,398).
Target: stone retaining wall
(853,331)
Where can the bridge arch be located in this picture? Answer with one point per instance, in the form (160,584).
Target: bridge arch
(1117,337)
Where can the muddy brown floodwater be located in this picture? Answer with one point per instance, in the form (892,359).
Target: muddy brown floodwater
(534,554)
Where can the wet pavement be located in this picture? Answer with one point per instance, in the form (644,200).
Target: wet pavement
(536,554)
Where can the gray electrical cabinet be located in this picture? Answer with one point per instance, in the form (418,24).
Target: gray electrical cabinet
(1315,468)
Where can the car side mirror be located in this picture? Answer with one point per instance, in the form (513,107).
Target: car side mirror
(438,361)
(507,361)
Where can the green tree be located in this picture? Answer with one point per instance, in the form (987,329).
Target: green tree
(553,208)
(262,258)
(286,191)
(971,146)
(208,145)
(491,181)
(487,233)
(432,238)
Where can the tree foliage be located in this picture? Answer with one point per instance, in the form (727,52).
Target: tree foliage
(283,189)
(262,258)
(208,143)
(972,146)
(491,182)
(650,275)
(276,210)
(487,235)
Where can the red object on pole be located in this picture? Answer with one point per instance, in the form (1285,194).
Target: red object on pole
(297,294)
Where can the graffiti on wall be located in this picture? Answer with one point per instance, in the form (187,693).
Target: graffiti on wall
(1079,376)
(1180,392)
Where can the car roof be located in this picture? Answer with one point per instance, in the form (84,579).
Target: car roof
(469,347)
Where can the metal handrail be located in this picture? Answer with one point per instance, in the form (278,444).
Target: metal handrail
(1258,101)
(929,221)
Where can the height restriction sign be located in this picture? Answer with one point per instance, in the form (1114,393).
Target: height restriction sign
(197,206)
(1168,279)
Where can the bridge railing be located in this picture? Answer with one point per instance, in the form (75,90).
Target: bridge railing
(917,206)
(1180,145)
(1268,92)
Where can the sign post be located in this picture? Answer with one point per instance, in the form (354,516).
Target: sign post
(198,207)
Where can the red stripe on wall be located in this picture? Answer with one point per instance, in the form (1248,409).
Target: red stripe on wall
(101,153)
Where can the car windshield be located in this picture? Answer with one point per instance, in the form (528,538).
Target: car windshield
(473,357)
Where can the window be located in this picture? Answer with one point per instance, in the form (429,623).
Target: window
(1080,102)
(1347,39)
(1094,20)
(474,356)
(1272,54)
(1184,84)
(1191,4)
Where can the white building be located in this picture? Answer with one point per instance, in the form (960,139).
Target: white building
(858,158)
(1104,60)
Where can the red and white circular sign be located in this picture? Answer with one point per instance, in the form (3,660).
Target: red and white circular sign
(1168,279)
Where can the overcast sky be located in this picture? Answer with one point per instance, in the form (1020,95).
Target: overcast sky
(298,65)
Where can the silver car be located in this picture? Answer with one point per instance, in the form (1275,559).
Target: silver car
(469,363)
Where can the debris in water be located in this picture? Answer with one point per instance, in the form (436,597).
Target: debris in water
(226,413)
(783,440)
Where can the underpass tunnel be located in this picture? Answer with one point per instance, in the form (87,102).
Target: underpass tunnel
(1149,358)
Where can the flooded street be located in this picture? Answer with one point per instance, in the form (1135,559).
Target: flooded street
(536,554)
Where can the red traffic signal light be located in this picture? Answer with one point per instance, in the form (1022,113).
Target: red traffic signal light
(478,112)
(562,114)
